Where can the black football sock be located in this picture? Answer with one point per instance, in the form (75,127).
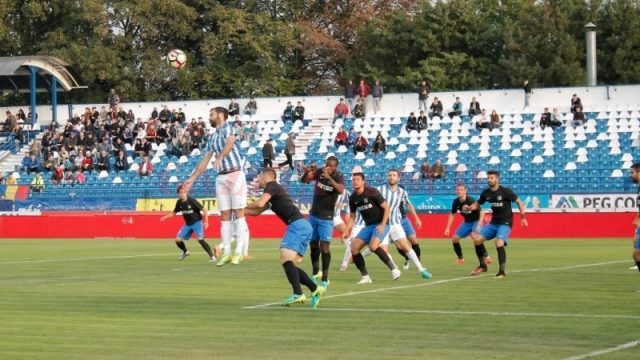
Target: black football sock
(384,257)
(480,251)
(315,256)
(403,253)
(291,271)
(181,246)
(638,265)
(458,249)
(416,249)
(206,247)
(484,250)
(326,261)
(306,280)
(358,260)
(502,257)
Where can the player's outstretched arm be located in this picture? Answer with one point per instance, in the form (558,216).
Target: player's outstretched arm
(523,216)
(168,215)
(259,206)
(414,213)
(447,230)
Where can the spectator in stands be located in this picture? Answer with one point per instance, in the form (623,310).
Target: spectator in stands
(162,134)
(379,144)
(578,117)
(361,144)
(341,138)
(154,114)
(165,114)
(437,170)
(197,139)
(21,116)
(87,161)
(495,120)
(37,184)
(113,100)
(423,94)
(436,108)
(102,162)
(422,121)
(456,108)
(30,163)
(151,134)
(575,103)
(237,124)
(425,170)
(482,121)
(341,110)
(298,112)
(527,93)
(289,112)
(249,131)
(377,92)
(252,107)
(122,163)
(11,123)
(350,93)
(550,119)
(234,108)
(185,144)
(474,107)
(181,117)
(57,175)
(363,90)
(29,115)
(130,116)
(80,178)
(48,163)
(268,154)
(146,167)
(556,117)
(289,151)
(68,178)
(412,123)
(104,145)
(351,139)
(359,110)
(142,147)
(11,180)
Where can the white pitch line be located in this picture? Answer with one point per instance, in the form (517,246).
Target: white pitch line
(445,281)
(606,351)
(85,258)
(465,313)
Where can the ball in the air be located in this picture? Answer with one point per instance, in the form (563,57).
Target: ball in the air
(177,59)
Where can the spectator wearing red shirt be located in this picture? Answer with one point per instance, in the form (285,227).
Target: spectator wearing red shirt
(87,162)
(361,144)
(363,90)
(341,138)
(146,167)
(341,110)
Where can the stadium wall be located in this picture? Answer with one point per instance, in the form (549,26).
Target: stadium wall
(129,225)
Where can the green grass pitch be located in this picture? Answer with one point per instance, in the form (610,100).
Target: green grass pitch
(132,299)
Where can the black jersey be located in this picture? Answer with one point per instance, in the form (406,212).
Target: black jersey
(368,205)
(190,210)
(638,199)
(500,201)
(281,203)
(324,195)
(468,215)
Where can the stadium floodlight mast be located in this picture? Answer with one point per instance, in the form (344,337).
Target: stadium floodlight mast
(592,79)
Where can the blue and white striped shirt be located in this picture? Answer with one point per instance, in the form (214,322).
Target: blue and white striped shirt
(342,199)
(395,200)
(234,160)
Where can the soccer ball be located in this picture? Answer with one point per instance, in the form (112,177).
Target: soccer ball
(177,59)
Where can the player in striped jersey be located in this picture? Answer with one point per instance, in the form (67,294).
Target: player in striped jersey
(231,183)
(396,196)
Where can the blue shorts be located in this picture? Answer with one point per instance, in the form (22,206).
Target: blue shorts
(322,229)
(408,227)
(297,236)
(491,231)
(636,241)
(195,228)
(369,232)
(466,228)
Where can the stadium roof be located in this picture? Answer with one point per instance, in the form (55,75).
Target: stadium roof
(15,74)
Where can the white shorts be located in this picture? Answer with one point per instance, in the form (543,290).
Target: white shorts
(337,220)
(396,232)
(231,191)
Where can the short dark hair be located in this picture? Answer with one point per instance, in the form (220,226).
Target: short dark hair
(636,166)
(359,174)
(333,158)
(394,170)
(223,110)
(270,171)
(178,189)
(494,172)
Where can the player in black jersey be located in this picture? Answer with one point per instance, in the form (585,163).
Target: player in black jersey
(374,211)
(329,185)
(469,227)
(193,213)
(500,199)
(635,177)
(296,239)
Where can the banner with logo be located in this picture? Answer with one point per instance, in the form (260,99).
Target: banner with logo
(594,201)
(442,203)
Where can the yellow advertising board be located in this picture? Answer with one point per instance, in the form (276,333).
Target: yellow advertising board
(165,205)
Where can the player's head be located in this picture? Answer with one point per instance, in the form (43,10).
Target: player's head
(461,190)
(182,192)
(218,116)
(357,179)
(331,164)
(635,173)
(266,176)
(393,177)
(493,178)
